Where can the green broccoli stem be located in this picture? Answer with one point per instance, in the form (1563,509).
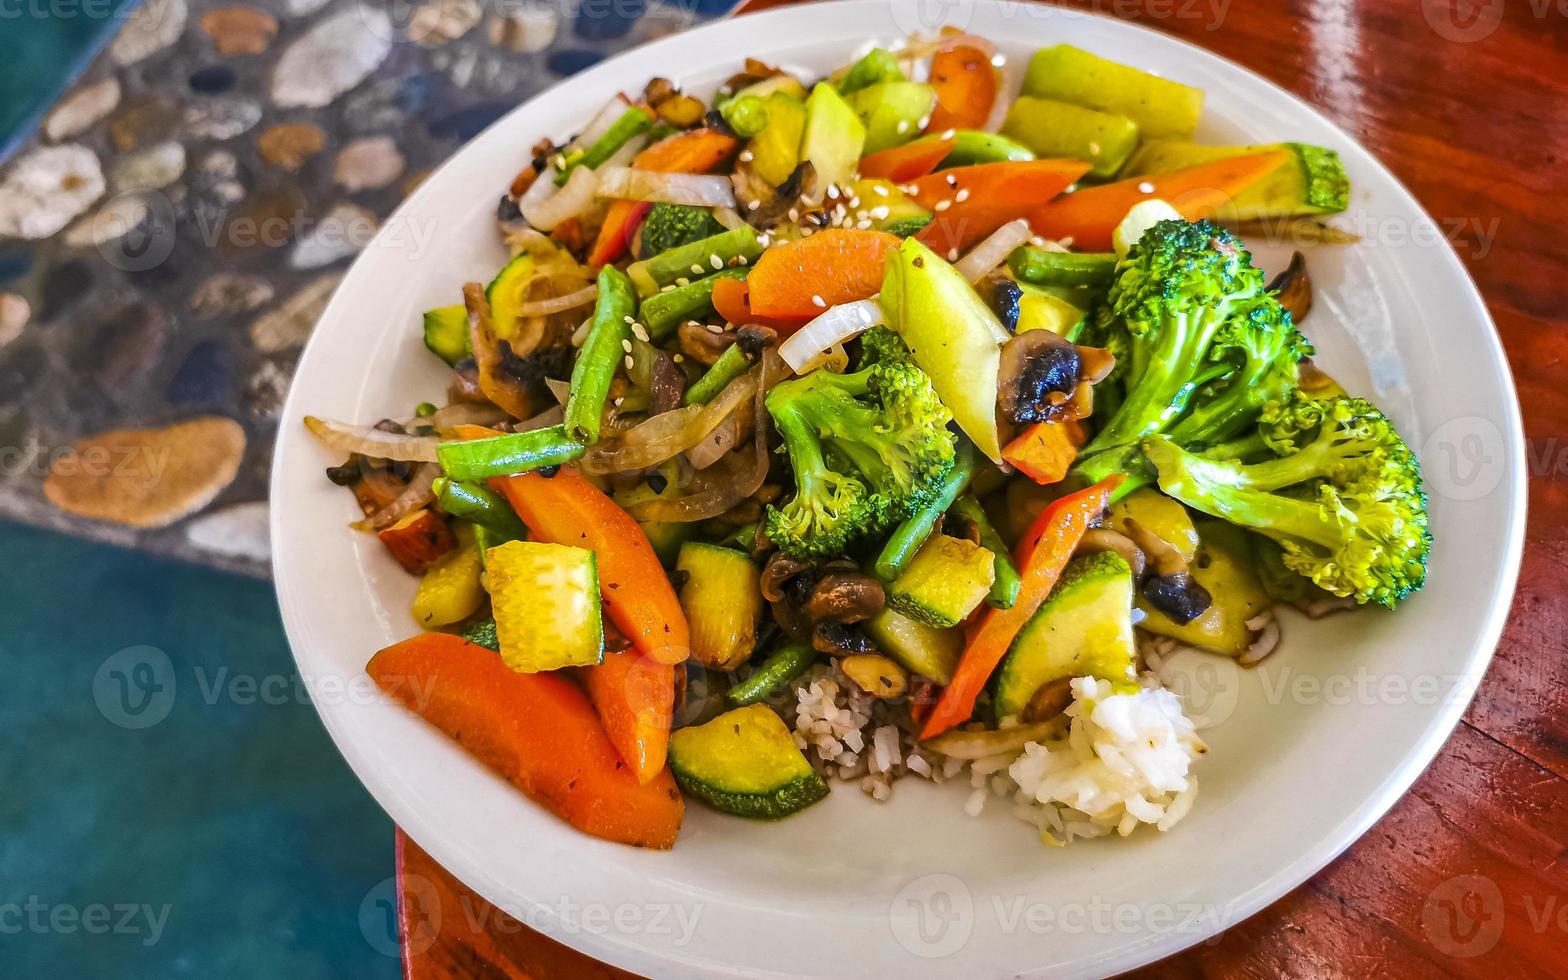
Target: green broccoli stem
(1226,489)
(1004,589)
(1126,460)
(1043,268)
(913,531)
(597,362)
(1166,383)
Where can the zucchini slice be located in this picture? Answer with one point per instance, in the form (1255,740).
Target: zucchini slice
(506,293)
(1313,182)
(1058,129)
(446,333)
(745,762)
(545,598)
(944,582)
(722,599)
(1160,107)
(920,649)
(1223,565)
(1083,628)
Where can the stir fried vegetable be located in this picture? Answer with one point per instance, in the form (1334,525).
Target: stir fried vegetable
(824,403)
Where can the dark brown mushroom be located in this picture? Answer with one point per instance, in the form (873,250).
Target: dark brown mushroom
(1044,377)
(1294,287)
(846,597)
(1049,700)
(1170,588)
(701,343)
(667,385)
(840,639)
(779,571)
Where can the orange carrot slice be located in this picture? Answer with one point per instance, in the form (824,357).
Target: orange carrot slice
(802,278)
(971,202)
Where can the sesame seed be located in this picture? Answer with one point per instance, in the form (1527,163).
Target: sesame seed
(881,191)
(626,346)
(628,362)
(910,189)
(618,400)
(794,214)
(925,121)
(745,156)
(863,224)
(679,358)
(714,328)
(754,205)
(998,60)
(854,202)
(949,134)
(641,333)
(1146,187)
(696,269)
(962,195)
(667,288)
(1094,148)
(903,126)
(715,261)
(952,255)
(952,181)
(683,281)
(742,260)
(833,192)
(880,211)
(818,301)
(626,319)
(1066,241)
(943,205)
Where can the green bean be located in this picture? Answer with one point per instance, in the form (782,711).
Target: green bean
(631,124)
(694,259)
(782,666)
(608,334)
(731,364)
(917,527)
(971,146)
(1044,268)
(664,311)
(517,452)
(480,506)
(1004,590)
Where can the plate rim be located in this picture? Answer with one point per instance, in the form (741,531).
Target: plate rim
(627,954)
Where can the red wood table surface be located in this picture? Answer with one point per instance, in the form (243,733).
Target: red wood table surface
(1467,102)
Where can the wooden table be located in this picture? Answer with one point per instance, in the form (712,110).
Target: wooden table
(1469,107)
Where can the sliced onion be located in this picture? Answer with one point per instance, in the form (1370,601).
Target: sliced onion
(720,487)
(560,389)
(559,304)
(661,437)
(697,190)
(575,198)
(843,322)
(626,154)
(369,441)
(550,416)
(539,191)
(419,492)
(599,124)
(729,218)
(994,249)
(463,413)
(736,427)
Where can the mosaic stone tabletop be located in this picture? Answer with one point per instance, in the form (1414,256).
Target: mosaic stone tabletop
(181,216)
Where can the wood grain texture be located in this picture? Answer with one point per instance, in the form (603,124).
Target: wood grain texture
(1467,102)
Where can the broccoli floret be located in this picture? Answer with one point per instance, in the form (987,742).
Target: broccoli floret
(1201,345)
(670,225)
(1340,492)
(867,449)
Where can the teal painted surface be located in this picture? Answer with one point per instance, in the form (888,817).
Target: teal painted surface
(43,44)
(169,803)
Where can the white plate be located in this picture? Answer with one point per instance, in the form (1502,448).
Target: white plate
(1313,747)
